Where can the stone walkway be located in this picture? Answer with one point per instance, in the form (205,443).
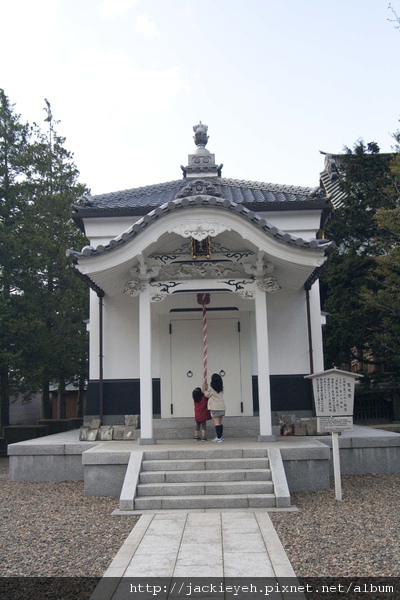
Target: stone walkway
(210,546)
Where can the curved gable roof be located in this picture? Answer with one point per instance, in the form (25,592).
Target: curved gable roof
(201,201)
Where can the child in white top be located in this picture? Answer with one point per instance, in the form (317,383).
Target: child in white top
(216,403)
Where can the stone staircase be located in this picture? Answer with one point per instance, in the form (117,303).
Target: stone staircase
(203,479)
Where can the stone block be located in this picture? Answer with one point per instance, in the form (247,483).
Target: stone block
(129,432)
(104,480)
(312,427)
(83,433)
(118,432)
(92,435)
(129,488)
(46,468)
(105,433)
(92,457)
(300,428)
(307,475)
(95,423)
(132,421)
(281,488)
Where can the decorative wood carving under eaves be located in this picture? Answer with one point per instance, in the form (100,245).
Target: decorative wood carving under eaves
(134,287)
(268,284)
(199,231)
(204,270)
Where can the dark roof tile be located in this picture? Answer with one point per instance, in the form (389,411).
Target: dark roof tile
(234,190)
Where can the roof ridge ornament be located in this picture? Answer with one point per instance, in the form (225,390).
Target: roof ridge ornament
(201,162)
(200,134)
(198,186)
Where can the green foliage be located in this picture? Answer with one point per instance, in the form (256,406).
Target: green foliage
(365,179)
(14,160)
(43,303)
(384,301)
(351,279)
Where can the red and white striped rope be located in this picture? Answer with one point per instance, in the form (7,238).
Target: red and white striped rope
(204,340)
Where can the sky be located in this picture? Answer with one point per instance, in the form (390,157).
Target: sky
(275,81)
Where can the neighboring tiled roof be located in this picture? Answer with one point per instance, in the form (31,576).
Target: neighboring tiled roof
(330,180)
(332,175)
(196,201)
(263,196)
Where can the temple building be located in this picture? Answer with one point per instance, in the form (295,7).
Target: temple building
(254,250)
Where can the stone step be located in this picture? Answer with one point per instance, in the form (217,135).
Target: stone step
(200,451)
(187,433)
(188,422)
(197,464)
(205,475)
(216,488)
(204,502)
(204,478)
(181,428)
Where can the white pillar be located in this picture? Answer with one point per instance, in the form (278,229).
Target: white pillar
(316,328)
(146,386)
(264,391)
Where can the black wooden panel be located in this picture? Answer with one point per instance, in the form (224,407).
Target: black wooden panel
(120,397)
(288,393)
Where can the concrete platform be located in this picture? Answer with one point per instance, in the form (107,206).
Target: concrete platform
(307,460)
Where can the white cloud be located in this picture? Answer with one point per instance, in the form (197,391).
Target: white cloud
(108,9)
(145,26)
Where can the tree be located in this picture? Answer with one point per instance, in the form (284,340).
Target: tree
(368,183)
(396,17)
(53,341)
(14,160)
(385,278)
(42,303)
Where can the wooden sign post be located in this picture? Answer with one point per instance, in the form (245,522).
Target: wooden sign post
(333,392)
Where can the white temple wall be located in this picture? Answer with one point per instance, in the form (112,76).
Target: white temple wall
(301,223)
(100,232)
(287,327)
(288,335)
(120,338)
(304,224)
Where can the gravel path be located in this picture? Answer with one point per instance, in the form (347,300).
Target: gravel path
(53,529)
(355,537)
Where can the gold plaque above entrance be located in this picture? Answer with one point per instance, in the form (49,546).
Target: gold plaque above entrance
(200,248)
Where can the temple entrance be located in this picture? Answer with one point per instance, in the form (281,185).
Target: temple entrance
(224,357)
